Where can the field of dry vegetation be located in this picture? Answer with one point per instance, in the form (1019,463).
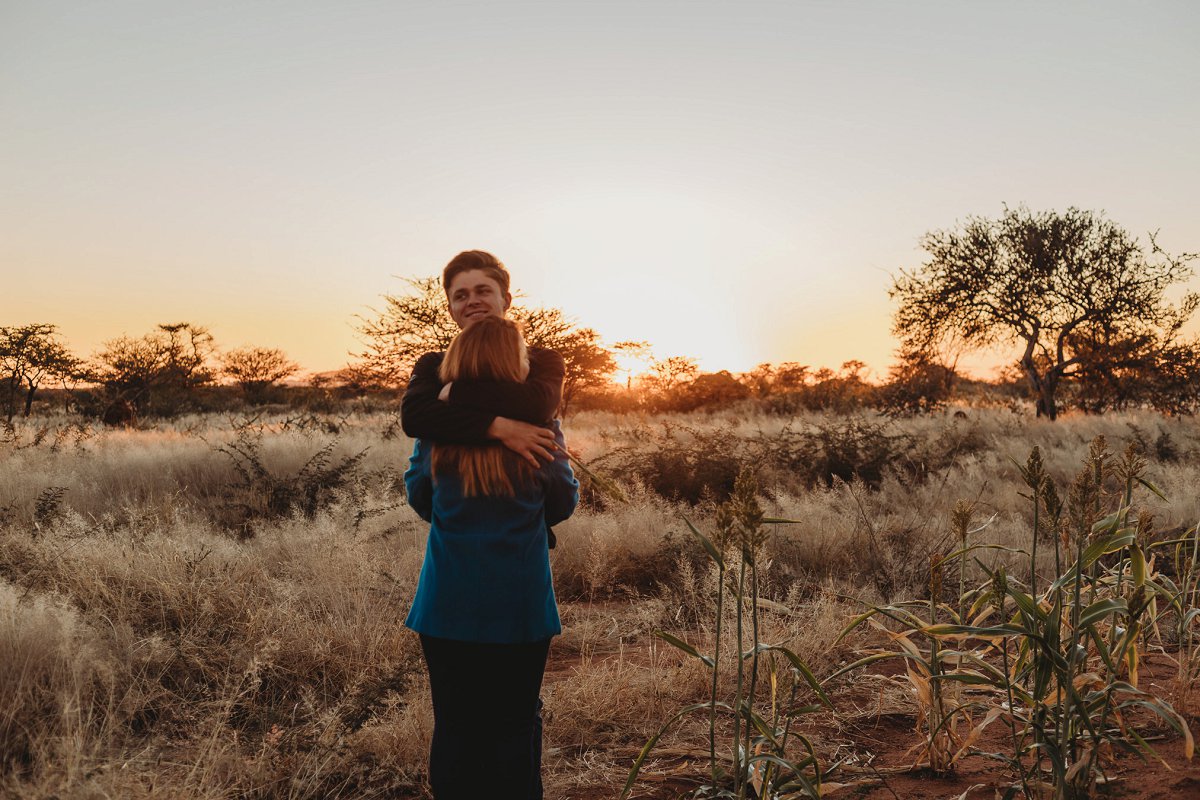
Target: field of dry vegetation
(211,607)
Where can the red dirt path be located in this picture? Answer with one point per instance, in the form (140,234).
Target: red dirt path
(879,739)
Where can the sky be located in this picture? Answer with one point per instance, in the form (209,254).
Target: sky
(731,181)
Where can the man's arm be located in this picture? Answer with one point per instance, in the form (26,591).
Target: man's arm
(561,489)
(536,400)
(423,416)
(531,442)
(418,482)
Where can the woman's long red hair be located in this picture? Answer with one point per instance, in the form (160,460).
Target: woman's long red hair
(491,349)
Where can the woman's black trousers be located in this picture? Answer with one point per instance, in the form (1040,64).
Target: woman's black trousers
(487,722)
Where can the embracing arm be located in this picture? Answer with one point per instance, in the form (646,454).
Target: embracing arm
(467,418)
(535,401)
(423,416)
(561,489)
(418,482)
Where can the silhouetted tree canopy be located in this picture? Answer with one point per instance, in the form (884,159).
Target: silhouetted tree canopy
(157,372)
(668,374)
(257,369)
(1082,297)
(29,356)
(710,390)
(419,322)
(589,364)
(408,326)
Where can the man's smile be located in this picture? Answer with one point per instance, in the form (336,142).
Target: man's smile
(474,295)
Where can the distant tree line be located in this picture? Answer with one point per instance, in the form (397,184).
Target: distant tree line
(177,368)
(1083,301)
(162,373)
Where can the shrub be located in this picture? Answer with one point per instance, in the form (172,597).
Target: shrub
(916,386)
(681,462)
(844,449)
(259,494)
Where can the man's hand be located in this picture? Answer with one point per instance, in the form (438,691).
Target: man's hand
(530,442)
(444,394)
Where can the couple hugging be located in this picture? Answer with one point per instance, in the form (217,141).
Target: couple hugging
(490,473)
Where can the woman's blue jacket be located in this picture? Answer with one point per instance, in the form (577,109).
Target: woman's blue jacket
(486,575)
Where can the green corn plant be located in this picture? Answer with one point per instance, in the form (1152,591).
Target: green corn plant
(936,672)
(1033,474)
(767,759)
(1182,598)
(1059,666)
(1075,679)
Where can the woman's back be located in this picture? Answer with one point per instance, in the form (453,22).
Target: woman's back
(486,575)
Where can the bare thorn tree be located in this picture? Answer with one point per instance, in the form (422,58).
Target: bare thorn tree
(419,322)
(257,369)
(158,372)
(29,356)
(1067,287)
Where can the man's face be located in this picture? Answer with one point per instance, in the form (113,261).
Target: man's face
(473,295)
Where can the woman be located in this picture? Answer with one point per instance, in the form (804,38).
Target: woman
(485,606)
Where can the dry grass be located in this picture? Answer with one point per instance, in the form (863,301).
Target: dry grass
(148,648)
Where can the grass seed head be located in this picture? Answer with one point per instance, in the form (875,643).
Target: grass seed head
(1000,587)
(1035,471)
(936,570)
(1132,465)
(726,522)
(1097,459)
(1145,526)
(1084,498)
(1051,502)
(745,507)
(960,519)
(1051,521)
(1138,601)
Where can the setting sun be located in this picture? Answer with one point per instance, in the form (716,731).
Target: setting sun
(730,186)
(642,262)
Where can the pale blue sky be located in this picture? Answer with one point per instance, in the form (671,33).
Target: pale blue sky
(733,181)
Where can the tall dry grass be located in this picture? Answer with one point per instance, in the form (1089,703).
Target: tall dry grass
(166,631)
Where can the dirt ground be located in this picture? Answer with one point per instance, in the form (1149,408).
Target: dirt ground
(873,733)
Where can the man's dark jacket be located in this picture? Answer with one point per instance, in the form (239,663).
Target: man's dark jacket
(474,403)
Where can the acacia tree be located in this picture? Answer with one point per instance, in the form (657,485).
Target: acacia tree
(660,387)
(408,326)
(589,365)
(419,322)
(710,390)
(668,374)
(257,369)
(30,355)
(916,384)
(159,371)
(1139,367)
(789,377)
(1068,287)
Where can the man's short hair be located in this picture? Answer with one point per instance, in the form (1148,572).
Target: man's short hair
(475,259)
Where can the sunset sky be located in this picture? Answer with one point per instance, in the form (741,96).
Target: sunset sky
(733,181)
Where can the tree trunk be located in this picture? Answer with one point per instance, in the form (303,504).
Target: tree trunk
(29,398)
(1046,402)
(1038,384)
(10,398)
(1045,387)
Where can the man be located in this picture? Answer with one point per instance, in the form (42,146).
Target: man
(474,412)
